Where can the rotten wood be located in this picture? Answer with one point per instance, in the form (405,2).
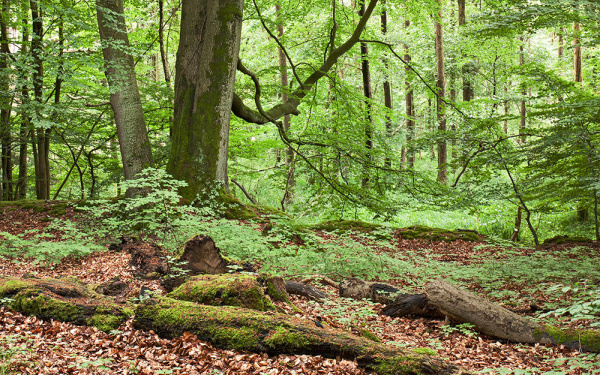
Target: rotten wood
(305,290)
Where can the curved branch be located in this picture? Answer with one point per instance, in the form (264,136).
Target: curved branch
(291,106)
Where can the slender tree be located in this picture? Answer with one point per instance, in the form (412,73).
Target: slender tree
(441,93)
(387,90)
(368,94)
(6,102)
(410,105)
(125,100)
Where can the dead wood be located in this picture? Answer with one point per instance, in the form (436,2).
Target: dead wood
(305,290)
(147,260)
(201,255)
(493,320)
(244,329)
(324,279)
(417,304)
(376,292)
(66,301)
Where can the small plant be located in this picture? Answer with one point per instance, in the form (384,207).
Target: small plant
(464,329)
(8,350)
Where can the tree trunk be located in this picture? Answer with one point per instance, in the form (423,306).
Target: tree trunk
(387,91)
(523,93)
(40,136)
(368,94)
(410,106)
(205,75)
(21,187)
(495,321)
(514,237)
(466,69)
(577,56)
(244,329)
(6,190)
(441,93)
(136,153)
(289,152)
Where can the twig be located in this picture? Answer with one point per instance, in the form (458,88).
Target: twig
(244,191)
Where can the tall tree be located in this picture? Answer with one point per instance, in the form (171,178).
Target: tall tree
(5,106)
(440,93)
(467,90)
(387,90)
(125,100)
(41,134)
(204,78)
(410,106)
(368,94)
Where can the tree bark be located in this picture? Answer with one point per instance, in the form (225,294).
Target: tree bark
(523,93)
(21,187)
(441,93)
(577,56)
(205,75)
(517,230)
(125,100)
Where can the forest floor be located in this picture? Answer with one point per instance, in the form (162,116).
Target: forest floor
(29,345)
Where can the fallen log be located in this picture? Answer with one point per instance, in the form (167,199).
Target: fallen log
(416,304)
(493,320)
(244,329)
(305,290)
(376,292)
(64,300)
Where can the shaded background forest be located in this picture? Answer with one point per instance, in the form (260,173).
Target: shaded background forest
(481,115)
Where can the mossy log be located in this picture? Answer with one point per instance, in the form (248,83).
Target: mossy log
(493,320)
(64,300)
(273,333)
(225,290)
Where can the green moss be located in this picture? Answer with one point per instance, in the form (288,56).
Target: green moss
(368,335)
(426,351)
(42,306)
(343,226)
(436,234)
(557,240)
(224,290)
(106,322)
(399,365)
(11,286)
(275,294)
(236,210)
(242,338)
(283,337)
(588,339)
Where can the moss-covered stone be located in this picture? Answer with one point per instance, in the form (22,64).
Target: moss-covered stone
(224,290)
(560,239)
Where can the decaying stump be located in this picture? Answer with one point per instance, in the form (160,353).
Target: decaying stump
(147,259)
(64,300)
(494,320)
(416,304)
(112,287)
(305,290)
(376,292)
(244,329)
(200,255)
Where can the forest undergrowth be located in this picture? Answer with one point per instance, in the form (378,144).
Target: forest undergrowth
(557,283)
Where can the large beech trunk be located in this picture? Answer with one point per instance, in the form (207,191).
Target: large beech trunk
(125,97)
(205,76)
(244,329)
(494,320)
